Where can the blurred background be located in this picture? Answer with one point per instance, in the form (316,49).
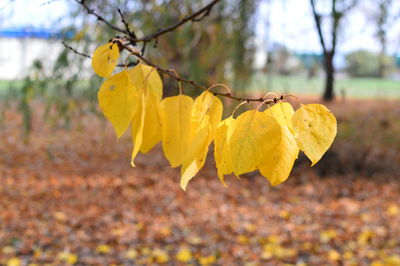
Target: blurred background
(68,195)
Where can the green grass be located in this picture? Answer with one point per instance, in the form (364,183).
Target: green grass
(352,87)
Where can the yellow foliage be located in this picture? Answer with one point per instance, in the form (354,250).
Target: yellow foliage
(207,260)
(68,258)
(205,117)
(160,256)
(14,262)
(103,249)
(253,141)
(327,235)
(333,255)
(131,254)
(118,100)
(146,79)
(268,141)
(175,117)
(184,255)
(393,210)
(222,154)
(364,237)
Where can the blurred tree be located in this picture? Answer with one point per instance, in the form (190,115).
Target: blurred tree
(384,14)
(363,63)
(338,9)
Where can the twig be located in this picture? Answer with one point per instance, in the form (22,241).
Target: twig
(130,64)
(74,50)
(205,11)
(130,32)
(100,18)
(196,16)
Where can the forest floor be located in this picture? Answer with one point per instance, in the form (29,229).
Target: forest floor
(71,197)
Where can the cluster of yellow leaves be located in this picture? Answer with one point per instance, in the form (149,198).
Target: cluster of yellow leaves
(267,141)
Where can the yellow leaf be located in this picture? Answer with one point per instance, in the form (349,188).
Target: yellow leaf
(347,255)
(206,105)
(254,137)
(131,254)
(377,263)
(59,216)
(68,257)
(393,260)
(105,59)
(103,249)
(184,255)
(315,128)
(284,214)
(118,101)
(282,157)
(137,128)
(283,113)
(145,251)
(327,235)
(14,262)
(8,250)
(242,239)
(333,255)
(393,210)
(207,260)
(152,129)
(205,117)
(195,240)
(175,116)
(222,155)
(146,79)
(160,255)
(364,237)
(195,156)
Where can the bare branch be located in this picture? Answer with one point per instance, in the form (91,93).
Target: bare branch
(203,12)
(130,32)
(317,19)
(100,18)
(74,50)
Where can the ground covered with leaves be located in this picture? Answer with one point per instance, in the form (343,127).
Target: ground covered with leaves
(71,197)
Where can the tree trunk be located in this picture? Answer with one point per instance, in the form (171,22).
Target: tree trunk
(329,78)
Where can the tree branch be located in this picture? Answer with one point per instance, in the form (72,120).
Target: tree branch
(100,18)
(317,19)
(205,11)
(74,50)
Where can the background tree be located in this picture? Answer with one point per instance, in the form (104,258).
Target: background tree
(363,63)
(383,14)
(338,9)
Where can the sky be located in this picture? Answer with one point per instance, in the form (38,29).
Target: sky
(290,23)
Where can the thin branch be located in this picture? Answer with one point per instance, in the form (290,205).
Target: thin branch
(100,18)
(74,50)
(317,19)
(130,64)
(126,24)
(205,11)
(195,17)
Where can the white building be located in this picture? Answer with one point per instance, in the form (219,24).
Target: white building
(20,47)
